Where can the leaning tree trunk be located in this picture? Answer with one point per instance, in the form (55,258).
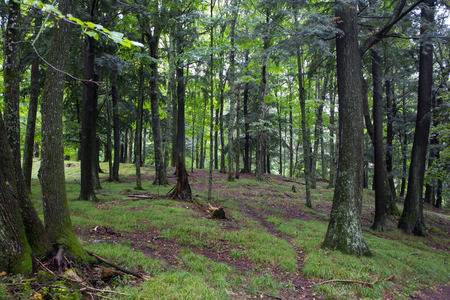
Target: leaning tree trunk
(15,253)
(344,231)
(32,112)
(160,168)
(56,211)
(412,221)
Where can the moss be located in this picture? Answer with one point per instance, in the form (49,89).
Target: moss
(71,244)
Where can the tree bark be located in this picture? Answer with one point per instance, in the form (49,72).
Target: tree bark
(56,211)
(32,112)
(305,131)
(344,229)
(412,221)
(116,125)
(160,169)
(378,144)
(138,135)
(88,121)
(15,253)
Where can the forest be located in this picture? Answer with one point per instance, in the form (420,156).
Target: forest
(225,149)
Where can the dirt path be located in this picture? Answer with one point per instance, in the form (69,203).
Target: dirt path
(302,285)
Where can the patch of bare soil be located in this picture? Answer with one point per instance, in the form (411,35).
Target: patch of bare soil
(441,292)
(149,242)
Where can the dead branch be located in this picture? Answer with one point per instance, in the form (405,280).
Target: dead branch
(140,276)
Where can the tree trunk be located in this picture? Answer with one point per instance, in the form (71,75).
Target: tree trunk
(15,254)
(11,126)
(344,229)
(237,142)
(138,135)
(182,190)
(116,125)
(56,210)
(233,93)
(412,221)
(160,169)
(32,112)
(88,122)
(391,111)
(404,149)
(247,154)
(332,129)
(108,151)
(378,144)
(305,131)
(211,105)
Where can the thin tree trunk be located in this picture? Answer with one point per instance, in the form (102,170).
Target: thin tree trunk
(32,112)
(305,131)
(139,121)
(391,111)
(332,129)
(237,142)
(211,105)
(247,154)
(116,125)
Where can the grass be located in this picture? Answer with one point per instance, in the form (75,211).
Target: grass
(410,260)
(412,264)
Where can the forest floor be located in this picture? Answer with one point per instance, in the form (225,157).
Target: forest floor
(269,248)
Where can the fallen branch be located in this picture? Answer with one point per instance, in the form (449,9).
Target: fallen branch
(365,283)
(132,273)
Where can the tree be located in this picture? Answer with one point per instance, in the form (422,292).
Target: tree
(412,221)
(56,211)
(344,229)
(160,168)
(89,116)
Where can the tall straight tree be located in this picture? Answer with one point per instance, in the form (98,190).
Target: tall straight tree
(160,167)
(344,231)
(211,104)
(139,121)
(412,221)
(233,91)
(56,211)
(182,189)
(305,130)
(89,117)
(381,200)
(116,123)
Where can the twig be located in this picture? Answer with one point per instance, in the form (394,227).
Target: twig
(117,266)
(92,289)
(365,283)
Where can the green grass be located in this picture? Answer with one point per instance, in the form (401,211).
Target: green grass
(413,264)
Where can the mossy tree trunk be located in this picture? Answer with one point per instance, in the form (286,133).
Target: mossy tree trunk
(344,229)
(116,124)
(15,253)
(56,211)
